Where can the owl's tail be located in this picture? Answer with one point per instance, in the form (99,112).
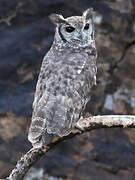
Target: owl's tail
(50,120)
(38,135)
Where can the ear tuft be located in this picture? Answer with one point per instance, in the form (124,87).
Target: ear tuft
(88,13)
(56,18)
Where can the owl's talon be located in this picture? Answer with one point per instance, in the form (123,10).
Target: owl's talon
(77,126)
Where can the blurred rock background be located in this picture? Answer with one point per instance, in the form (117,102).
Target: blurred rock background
(26,34)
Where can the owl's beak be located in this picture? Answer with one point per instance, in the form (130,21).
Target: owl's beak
(80,36)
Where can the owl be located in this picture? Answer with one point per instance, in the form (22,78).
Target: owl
(68,72)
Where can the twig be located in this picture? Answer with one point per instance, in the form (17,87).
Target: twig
(11,16)
(87,124)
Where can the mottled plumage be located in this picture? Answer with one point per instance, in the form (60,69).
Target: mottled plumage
(67,74)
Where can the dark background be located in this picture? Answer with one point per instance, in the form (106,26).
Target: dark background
(26,34)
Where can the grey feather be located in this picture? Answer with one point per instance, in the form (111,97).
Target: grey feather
(67,74)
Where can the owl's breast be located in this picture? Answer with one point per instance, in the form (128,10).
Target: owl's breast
(71,62)
(70,72)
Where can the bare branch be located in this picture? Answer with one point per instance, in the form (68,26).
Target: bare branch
(87,124)
(11,16)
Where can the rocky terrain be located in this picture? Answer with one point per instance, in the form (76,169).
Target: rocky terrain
(26,34)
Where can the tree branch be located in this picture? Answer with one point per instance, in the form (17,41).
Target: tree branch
(87,124)
(11,16)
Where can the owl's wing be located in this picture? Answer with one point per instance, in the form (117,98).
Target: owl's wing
(37,125)
(42,78)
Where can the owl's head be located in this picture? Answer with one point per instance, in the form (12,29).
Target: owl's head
(75,30)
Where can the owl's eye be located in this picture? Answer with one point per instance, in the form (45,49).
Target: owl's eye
(70,29)
(86,27)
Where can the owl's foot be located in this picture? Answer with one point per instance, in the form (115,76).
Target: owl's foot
(78,126)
